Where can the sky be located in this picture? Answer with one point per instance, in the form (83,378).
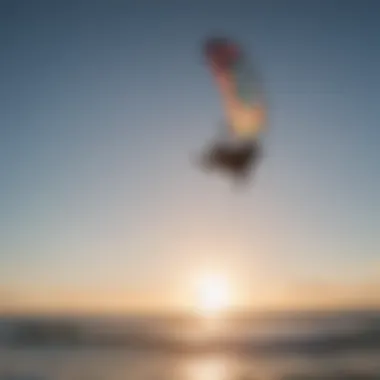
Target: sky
(104,106)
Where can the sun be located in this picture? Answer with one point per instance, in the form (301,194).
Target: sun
(213,295)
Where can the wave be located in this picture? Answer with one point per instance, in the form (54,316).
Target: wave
(315,336)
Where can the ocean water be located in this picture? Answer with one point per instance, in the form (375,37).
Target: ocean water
(339,346)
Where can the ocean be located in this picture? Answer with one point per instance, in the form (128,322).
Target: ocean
(339,345)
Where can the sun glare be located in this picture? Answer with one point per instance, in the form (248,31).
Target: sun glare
(213,295)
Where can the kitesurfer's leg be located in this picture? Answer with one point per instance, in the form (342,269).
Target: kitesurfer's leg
(227,157)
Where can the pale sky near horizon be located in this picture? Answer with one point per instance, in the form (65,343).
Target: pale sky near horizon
(103,104)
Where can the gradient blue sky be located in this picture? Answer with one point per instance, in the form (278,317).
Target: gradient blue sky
(103,104)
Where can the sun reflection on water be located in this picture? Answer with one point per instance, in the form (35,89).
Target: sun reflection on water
(208,368)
